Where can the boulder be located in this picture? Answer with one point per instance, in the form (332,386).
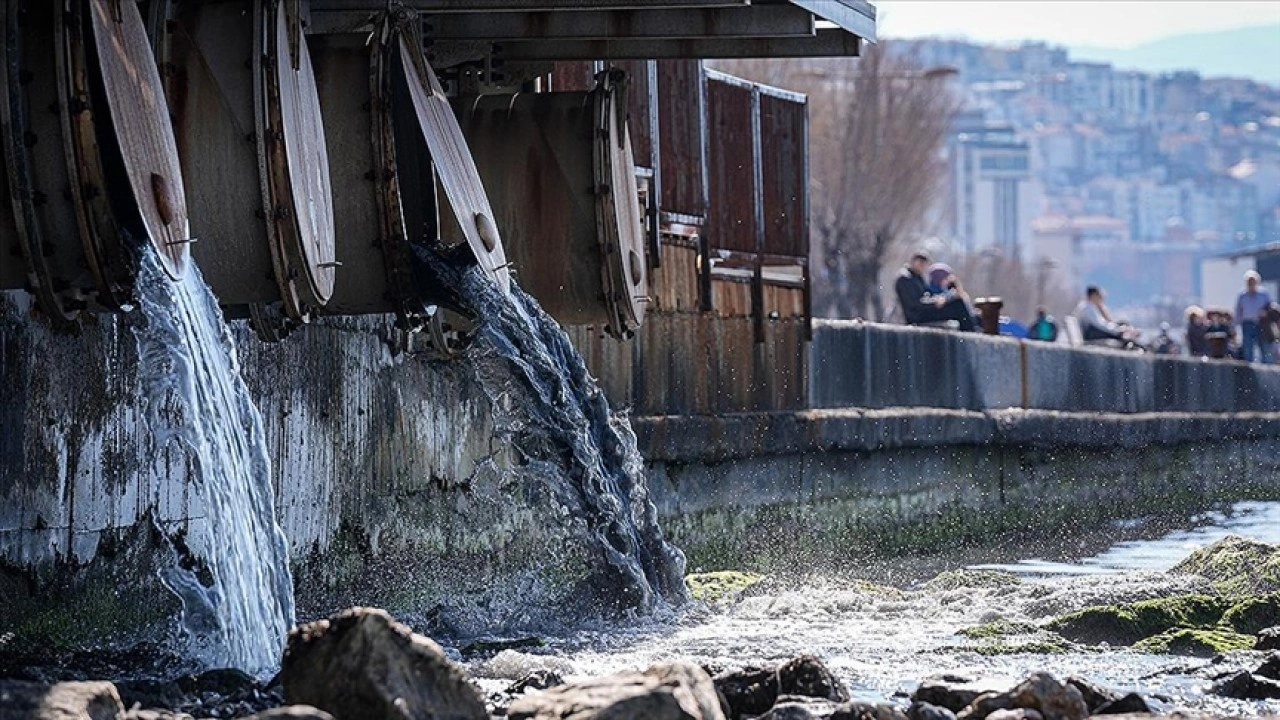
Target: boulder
(1127,623)
(1254,614)
(752,691)
(928,711)
(1095,696)
(363,665)
(672,691)
(1016,714)
(1040,692)
(811,708)
(1247,686)
(984,705)
(21,700)
(1131,703)
(1195,642)
(1270,668)
(1268,639)
(952,692)
(1237,565)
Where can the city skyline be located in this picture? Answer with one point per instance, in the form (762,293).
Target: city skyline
(1110,23)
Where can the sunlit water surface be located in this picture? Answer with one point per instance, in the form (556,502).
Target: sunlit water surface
(882,644)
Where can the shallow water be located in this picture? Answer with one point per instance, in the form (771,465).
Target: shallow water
(882,643)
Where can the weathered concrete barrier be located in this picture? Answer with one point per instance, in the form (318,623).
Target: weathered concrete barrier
(833,489)
(393,485)
(857,364)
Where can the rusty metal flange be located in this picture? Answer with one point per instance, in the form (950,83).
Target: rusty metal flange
(34,163)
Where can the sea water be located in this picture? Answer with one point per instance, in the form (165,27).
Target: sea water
(231,569)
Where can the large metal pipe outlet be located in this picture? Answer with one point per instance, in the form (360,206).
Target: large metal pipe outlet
(395,148)
(91,165)
(246,114)
(560,173)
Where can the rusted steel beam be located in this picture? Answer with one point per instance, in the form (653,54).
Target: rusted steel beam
(766,21)
(465,6)
(856,16)
(826,42)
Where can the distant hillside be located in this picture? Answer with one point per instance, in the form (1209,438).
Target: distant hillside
(1252,52)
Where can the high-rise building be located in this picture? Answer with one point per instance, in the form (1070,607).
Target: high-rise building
(993,194)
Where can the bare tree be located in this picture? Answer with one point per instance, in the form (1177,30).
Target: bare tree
(877,128)
(1022,287)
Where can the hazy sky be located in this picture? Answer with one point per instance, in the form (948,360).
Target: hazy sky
(1111,23)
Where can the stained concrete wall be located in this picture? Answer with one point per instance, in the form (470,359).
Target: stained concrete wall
(848,489)
(394,485)
(856,364)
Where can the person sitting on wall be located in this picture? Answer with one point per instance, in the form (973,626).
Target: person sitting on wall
(1221,332)
(1095,319)
(920,306)
(1197,327)
(1044,327)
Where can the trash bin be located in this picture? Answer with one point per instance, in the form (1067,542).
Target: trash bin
(989,311)
(1217,344)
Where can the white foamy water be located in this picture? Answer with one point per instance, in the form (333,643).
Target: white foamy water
(883,642)
(238,597)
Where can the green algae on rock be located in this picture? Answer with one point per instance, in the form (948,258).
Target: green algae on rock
(1253,615)
(713,587)
(961,579)
(1127,623)
(1196,642)
(1238,565)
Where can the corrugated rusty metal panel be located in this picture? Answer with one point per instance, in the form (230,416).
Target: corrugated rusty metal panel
(681,138)
(784,125)
(577,76)
(731,298)
(788,302)
(731,219)
(674,284)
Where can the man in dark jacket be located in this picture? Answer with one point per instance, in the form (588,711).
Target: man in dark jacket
(921,306)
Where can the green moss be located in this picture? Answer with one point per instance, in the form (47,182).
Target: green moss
(998,628)
(1042,647)
(1195,642)
(712,587)
(960,579)
(1128,623)
(1253,614)
(1238,565)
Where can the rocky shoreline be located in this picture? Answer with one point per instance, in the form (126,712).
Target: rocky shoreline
(1221,604)
(363,665)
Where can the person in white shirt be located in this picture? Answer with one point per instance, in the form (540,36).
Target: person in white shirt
(1096,322)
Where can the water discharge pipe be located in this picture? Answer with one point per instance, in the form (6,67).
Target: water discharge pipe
(246,112)
(89,154)
(575,235)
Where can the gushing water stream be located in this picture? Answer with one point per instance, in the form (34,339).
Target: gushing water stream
(548,405)
(233,579)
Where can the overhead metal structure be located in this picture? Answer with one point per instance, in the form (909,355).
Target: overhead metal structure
(537,30)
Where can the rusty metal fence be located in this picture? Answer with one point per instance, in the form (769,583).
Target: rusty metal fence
(726,174)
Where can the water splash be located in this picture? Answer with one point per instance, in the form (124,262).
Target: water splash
(234,580)
(548,406)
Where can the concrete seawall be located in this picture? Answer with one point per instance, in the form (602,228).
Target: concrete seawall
(921,440)
(856,364)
